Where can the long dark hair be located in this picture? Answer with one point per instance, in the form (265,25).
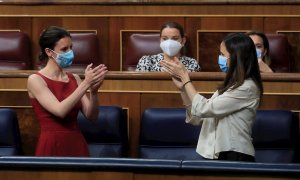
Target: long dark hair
(243,62)
(266,58)
(49,38)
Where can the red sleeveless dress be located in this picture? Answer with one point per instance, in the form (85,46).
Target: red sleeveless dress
(59,137)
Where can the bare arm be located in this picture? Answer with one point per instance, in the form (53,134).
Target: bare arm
(181,79)
(37,88)
(90,104)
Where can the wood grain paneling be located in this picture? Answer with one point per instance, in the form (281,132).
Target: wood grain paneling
(202,46)
(274,24)
(287,102)
(14,98)
(16,23)
(109,18)
(63,175)
(109,28)
(130,175)
(294,41)
(208,57)
(29,129)
(140,9)
(137,91)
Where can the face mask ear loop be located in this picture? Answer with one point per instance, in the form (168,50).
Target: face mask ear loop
(54,52)
(182,45)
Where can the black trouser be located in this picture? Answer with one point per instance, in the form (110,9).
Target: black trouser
(235,156)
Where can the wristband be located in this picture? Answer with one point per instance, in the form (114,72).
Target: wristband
(185,84)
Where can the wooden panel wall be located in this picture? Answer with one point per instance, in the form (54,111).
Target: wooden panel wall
(63,175)
(110,19)
(88,174)
(139,91)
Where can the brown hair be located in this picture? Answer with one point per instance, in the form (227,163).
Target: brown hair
(49,37)
(175,25)
(266,58)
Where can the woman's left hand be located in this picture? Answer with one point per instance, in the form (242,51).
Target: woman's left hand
(176,69)
(101,71)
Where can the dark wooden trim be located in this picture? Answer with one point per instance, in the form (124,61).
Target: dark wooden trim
(148,2)
(132,75)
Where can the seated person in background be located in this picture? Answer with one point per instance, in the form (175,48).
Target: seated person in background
(172,39)
(228,116)
(57,96)
(263,51)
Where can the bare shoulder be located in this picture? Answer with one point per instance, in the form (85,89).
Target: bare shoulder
(34,84)
(35,79)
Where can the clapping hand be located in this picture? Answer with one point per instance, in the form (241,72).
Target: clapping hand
(95,76)
(177,71)
(174,67)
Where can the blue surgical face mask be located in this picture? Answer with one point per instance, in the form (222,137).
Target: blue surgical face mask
(258,53)
(65,59)
(223,63)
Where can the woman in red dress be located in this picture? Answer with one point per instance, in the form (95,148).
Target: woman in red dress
(57,96)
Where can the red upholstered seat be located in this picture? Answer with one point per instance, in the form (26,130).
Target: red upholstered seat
(15,51)
(138,45)
(280,53)
(86,50)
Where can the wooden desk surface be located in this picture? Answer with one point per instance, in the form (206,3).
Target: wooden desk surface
(145,2)
(206,82)
(136,92)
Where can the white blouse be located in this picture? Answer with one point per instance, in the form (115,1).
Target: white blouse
(226,119)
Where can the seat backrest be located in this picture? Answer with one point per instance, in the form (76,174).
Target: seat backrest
(15,51)
(86,51)
(281,59)
(10,138)
(107,137)
(165,135)
(275,135)
(138,45)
